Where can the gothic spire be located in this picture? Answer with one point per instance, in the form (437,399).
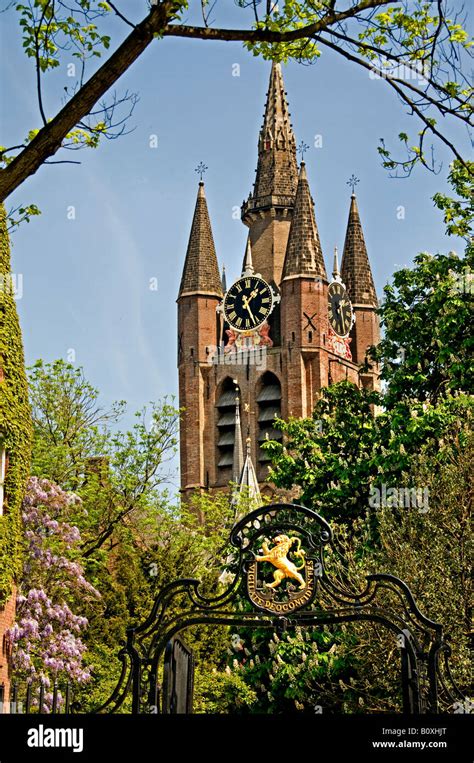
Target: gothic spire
(247,265)
(201,271)
(277,171)
(335,268)
(355,267)
(224,280)
(303,252)
(238,461)
(247,493)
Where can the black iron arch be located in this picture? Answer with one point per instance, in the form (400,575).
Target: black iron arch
(287,544)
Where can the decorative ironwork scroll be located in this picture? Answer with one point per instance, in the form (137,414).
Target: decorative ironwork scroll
(278,565)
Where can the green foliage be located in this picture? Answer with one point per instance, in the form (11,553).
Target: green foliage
(48,26)
(427,347)
(222,692)
(69,424)
(21,214)
(459,212)
(15,421)
(339,454)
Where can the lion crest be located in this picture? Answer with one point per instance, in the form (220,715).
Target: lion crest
(278,556)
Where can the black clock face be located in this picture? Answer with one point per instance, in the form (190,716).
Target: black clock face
(248,303)
(340,309)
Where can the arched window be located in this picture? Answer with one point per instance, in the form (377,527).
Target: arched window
(269,408)
(225,420)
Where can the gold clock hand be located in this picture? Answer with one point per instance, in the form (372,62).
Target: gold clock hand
(247,307)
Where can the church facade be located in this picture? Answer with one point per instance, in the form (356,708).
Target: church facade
(237,371)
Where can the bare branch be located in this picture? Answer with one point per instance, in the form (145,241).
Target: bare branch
(120,15)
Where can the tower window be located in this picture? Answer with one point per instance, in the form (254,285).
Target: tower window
(310,336)
(269,408)
(225,419)
(292,336)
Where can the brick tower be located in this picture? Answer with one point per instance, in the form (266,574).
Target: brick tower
(230,395)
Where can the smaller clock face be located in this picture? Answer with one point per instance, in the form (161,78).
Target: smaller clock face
(340,309)
(248,303)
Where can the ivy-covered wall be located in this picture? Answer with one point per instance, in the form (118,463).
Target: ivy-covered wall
(15,421)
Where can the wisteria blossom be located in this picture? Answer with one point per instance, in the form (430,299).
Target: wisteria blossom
(46,637)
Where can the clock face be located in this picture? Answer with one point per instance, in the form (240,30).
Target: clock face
(248,303)
(340,309)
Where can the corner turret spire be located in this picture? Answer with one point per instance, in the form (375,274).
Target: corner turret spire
(355,267)
(303,252)
(201,271)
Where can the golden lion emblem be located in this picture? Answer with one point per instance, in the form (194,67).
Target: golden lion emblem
(278,557)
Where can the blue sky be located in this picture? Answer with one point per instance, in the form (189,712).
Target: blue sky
(86,282)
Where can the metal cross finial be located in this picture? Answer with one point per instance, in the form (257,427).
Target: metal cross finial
(302,148)
(353,182)
(201,169)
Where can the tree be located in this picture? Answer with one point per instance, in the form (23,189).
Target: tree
(132,537)
(77,445)
(417,51)
(46,636)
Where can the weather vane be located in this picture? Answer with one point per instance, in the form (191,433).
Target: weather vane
(201,169)
(302,148)
(353,182)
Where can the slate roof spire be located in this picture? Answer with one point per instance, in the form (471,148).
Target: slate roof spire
(277,170)
(201,271)
(356,273)
(304,255)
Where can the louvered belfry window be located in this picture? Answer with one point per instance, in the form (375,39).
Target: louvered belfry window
(225,419)
(269,407)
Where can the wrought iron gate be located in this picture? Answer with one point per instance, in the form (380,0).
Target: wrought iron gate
(279,566)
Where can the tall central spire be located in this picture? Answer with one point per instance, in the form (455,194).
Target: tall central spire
(277,172)
(268,209)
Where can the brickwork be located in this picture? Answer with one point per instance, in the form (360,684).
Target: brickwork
(7,618)
(268,237)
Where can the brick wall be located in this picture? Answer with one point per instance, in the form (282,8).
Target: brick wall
(7,618)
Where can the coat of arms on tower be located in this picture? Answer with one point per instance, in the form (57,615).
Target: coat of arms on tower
(339,345)
(281,578)
(245,340)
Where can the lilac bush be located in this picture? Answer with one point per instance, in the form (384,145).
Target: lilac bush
(46,637)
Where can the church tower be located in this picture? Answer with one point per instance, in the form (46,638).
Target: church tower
(234,382)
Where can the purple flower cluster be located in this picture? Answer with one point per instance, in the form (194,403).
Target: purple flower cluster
(45,638)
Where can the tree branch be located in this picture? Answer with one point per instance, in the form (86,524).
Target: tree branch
(49,138)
